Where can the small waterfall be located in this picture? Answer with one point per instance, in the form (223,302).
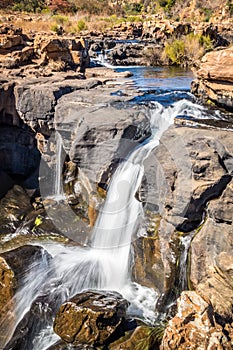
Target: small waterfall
(183,278)
(58,187)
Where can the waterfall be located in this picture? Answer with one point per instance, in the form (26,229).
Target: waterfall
(122,214)
(105,264)
(58,187)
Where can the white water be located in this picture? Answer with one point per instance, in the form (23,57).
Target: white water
(58,188)
(106,264)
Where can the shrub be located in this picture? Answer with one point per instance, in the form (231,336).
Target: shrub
(81,25)
(29,5)
(206,42)
(133,8)
(60,19)
(175,51)
(55,27)
(188,49)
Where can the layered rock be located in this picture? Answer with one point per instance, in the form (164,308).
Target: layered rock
(91,317)
(215,78)
(52,51)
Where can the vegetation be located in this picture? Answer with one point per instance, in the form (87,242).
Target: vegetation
(121,8)
(188,48)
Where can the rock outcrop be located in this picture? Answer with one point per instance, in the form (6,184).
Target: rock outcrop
(47,51)
(91,317)
(187,179)
(215,78)
(195,327)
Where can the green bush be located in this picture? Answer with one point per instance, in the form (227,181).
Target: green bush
(60,19)
(207,12)
(81,25)
(133,8)
(29,5)
(55,27)
(167,4)
(175,51)
(206,42)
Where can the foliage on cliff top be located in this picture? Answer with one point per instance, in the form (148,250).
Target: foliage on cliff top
(198,9)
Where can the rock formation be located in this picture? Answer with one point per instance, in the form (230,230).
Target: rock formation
(215,78)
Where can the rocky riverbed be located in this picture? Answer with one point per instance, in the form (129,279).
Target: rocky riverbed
(186,193)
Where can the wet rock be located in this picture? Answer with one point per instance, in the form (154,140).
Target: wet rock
(15,266)
(61,345)
(143,337)
(215,77)
(39,317)
(92,317)
(195,327)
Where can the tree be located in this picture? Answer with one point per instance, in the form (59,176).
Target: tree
(6,3)
(29,5)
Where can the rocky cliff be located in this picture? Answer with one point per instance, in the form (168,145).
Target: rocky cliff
(214,78)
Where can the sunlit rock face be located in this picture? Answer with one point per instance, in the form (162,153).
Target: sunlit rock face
(215,78)
(195,327)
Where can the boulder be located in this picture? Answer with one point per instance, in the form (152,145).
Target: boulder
(215,78)
(91,317)
(195,327)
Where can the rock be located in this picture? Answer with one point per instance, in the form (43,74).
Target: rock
(10,41)
(195,327)
(8,114)
(61,345)
(6,183)
(13,208)
(211,263)
(215,77)
(14,265)
(19,155)
(143,337)
(53,49)
(92,317)
(39,317)
(183,175)
(91,125)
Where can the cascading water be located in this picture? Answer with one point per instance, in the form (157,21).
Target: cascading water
(106,263)
(58,188)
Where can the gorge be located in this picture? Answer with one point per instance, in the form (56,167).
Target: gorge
(139,234)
